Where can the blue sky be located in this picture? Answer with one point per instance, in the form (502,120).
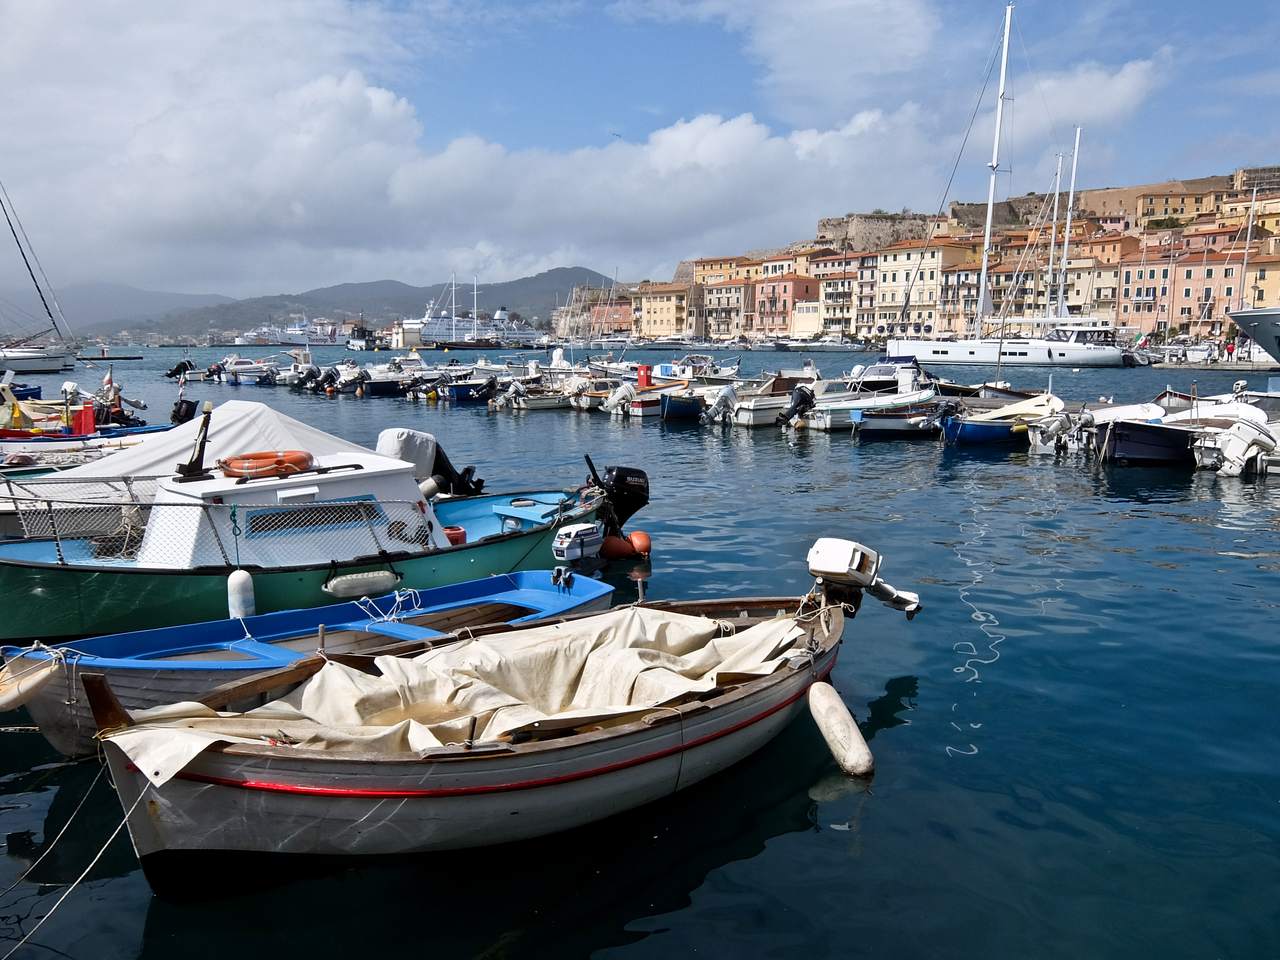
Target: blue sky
(251,148)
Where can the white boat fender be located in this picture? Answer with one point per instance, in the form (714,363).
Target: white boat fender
(370,583)
(20,680)
(240,601)
(429,489)
(840,730)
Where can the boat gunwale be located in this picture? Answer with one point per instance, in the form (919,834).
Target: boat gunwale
(579,509)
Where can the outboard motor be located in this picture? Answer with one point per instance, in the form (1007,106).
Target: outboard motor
(268,379)
(616,400)
(802,401)
(626,491)
(183,366)
(183,412)
(429,459)
(215,371)
(327,379)
(722,410)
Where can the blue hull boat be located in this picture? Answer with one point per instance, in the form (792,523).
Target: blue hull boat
(149,668)
(677,407)
(961,430)
(469,391)
(23,392)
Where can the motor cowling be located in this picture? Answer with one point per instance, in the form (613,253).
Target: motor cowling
(722,408)
(802,401)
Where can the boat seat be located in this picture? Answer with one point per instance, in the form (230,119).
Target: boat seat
(537,513)
(396,630)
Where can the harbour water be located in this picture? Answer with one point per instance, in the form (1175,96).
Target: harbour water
(1076,741)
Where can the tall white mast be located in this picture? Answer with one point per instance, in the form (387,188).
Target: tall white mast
(453,307)
(984,301)
(1066,240)
(475,307)
(1053,239)
(1248,239)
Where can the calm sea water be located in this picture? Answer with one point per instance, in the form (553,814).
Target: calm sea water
(1076,741)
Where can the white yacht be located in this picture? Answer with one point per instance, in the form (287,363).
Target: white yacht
(54,358)
(1262,324)
(1066,345)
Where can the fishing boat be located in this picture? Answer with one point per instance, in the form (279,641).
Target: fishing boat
(148,668)
(506,736)
(1171,440)
(592,394)
(297,522)
(471,391)
(688,405)
(518,396)
(1007,424)
(913,420)
(777,396)
(697,368)
(849,414)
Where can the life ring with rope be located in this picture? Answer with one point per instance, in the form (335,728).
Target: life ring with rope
(267,463)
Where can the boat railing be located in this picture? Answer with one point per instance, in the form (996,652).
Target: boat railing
(138,489)
(187,535)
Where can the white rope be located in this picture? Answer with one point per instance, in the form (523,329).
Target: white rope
(65,827)
(92,863)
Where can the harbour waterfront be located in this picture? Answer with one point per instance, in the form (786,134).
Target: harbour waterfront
(1075,741)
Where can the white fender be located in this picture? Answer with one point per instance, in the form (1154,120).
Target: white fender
(20,680)
(370,583)
(840,730)
(240,601)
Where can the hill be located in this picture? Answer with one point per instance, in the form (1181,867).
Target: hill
(380,301)
(113,305)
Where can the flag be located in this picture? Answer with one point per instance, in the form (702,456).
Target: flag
(107,380)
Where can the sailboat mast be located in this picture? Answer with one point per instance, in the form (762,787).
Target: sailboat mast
(1066,239)
(1248,239)
(984,302)
(453,307)
(1053,239)
(475,307)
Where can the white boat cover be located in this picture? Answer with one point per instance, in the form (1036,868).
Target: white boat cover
(237,426)
(412,446)
(1030,409)
(620,662)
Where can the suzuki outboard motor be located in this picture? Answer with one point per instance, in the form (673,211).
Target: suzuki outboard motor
(183,411)
(802,401)
(626,491)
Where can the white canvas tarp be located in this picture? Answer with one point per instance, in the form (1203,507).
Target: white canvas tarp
(237,426)
(619,662)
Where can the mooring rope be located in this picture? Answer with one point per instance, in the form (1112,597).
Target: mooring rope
(75,883)
(65,827)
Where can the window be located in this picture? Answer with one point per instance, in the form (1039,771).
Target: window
(1164,274)
(1228,293)
(1208,294)
(1127,277)
(1208,273)
(1186,293)
(1126,292)
(1229,272)
(1188,277)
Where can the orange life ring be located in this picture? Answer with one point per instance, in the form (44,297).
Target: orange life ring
(267,463)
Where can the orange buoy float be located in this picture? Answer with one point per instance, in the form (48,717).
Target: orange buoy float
(631,545)
(267,463)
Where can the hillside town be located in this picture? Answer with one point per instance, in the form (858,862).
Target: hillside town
(1154,261)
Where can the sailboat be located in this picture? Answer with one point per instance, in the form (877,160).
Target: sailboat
(1067,344)
(36,353)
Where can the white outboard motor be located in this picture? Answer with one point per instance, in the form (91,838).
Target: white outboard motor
(856,373)
(721,411)
(70,390)
(1239,443)
(843,568)
(535,368)
(617,401)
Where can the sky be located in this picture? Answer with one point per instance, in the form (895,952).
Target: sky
(249,148)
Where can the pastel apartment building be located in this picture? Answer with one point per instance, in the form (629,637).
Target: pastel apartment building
(774,299)
(728,306)
(668,310)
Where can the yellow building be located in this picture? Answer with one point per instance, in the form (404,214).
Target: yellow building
(669,309)
(714,269)
(1262,281)
(806,319)
(1266,213)
(914,268)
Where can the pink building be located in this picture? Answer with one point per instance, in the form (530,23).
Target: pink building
(775,297)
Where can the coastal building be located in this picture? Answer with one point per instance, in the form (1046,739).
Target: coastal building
(1144,303)
(727,306)
(669,310)
(837,298)
(806,319)
(714,269)
(1262,281)
(1204,286)
(1109,247)
(909,286)
(774,299)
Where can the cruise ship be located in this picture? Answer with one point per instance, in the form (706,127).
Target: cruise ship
(1262,324)
(443,328)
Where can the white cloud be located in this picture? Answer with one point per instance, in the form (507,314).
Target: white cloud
(251,149)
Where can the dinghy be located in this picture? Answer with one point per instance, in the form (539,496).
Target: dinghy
(1004,425)
(171,664)
(506,736)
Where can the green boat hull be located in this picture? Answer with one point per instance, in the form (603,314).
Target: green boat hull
(48,601)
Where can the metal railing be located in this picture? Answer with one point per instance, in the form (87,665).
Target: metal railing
(185,535)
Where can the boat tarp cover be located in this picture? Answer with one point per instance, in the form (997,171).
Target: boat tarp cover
(237,426)
(620,662)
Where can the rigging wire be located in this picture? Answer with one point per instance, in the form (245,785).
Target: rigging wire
(36,257)
(955,166)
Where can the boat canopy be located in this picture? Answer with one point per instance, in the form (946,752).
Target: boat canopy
(236,426)
(622,662)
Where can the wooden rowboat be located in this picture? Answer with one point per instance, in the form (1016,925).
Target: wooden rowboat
(192,782)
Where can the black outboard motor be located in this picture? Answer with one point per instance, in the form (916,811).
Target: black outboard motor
(184,366)
(215,371)
(626,491)
(327,379)
(183,411)
(489,390)
(450,480)
(802,401)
